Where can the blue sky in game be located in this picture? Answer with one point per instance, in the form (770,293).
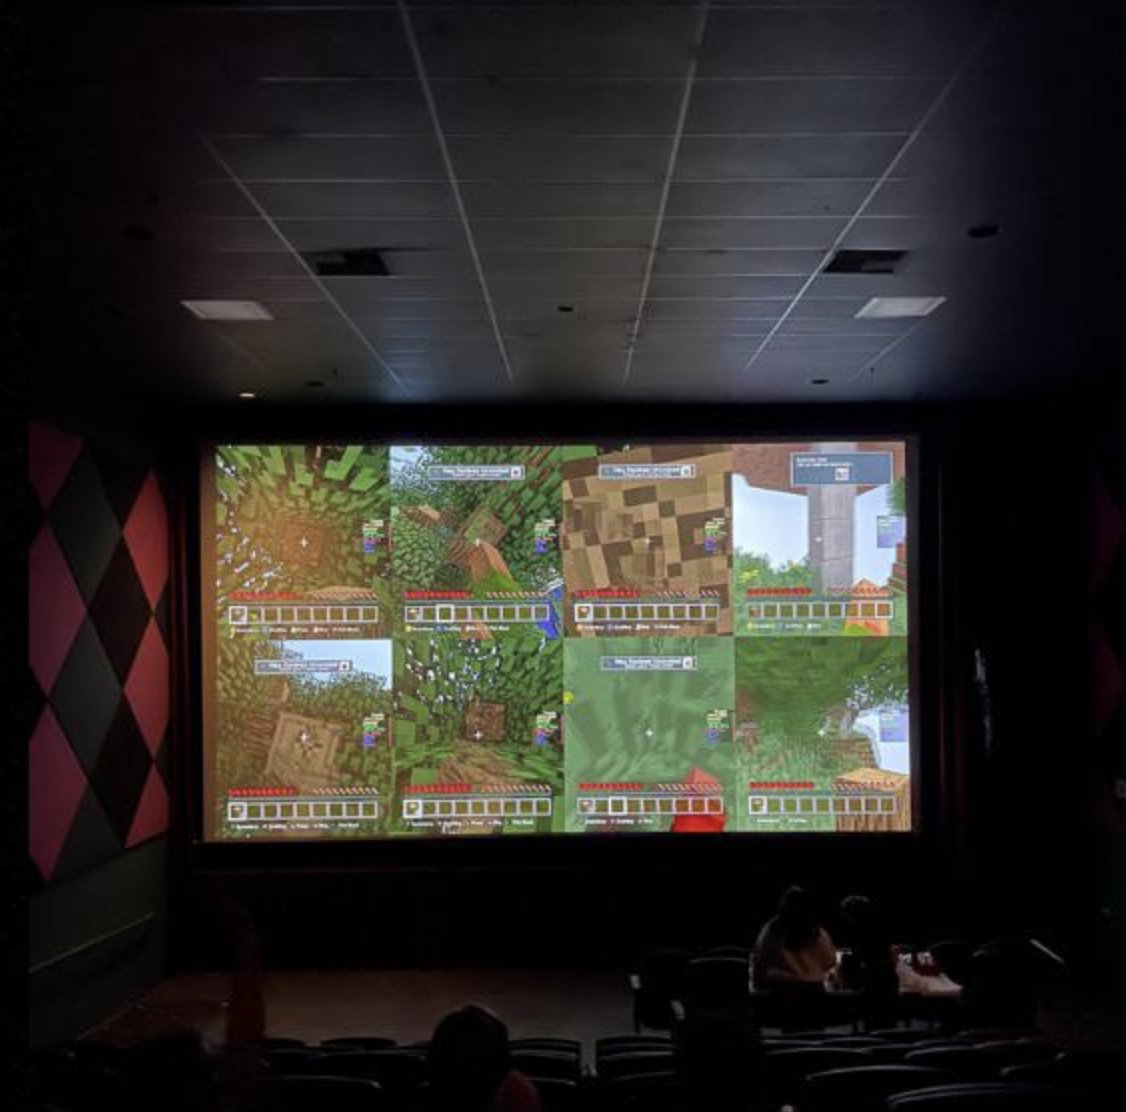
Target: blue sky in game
(370,657)
(777,523)
(892,756)
(403,456)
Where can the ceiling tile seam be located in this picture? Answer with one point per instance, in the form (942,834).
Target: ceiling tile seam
(531,136)
(327,294)
(932,109)
(431,218)
(491,80)
(670,169)
(509,182)
(236,347)
(869,365)
(447,159)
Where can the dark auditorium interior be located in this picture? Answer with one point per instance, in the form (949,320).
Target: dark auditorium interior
(477,657)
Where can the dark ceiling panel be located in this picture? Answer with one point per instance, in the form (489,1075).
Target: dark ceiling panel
(558,107)
(791,198)
(232,265)
(451,332)
(543,200)
(355,200)
(512,235)
(559,41)
(286,109)
(510,307)
(721,261)
(220,43)
(786,156)
(560,158)
(770,232)
(384,235)
(221,234)
(722,288)
(429,263)
(419,309)
(706,331)
(810,105)
(868,39)
(744,309)
(565,263)
(406,158)
(558,287)
(355,295)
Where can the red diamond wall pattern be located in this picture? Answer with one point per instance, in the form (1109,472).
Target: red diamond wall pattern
(98,650)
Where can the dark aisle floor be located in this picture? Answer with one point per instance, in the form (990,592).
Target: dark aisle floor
(404,1004)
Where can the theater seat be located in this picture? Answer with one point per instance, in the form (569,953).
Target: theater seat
(325,1094)
(786,1070)
(546,1063)
(357,1042)
(636,1063)
(557,1094)
(995,1097)
(562,1046)
(864,1088)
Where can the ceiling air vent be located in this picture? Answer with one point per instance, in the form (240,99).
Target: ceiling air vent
(861,261)
(361,262)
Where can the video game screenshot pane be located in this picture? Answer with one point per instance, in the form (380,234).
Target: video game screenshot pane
(420,641)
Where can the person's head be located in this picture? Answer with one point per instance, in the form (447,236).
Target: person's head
(858,924)
(798,919)
(468,1056)
(856,912)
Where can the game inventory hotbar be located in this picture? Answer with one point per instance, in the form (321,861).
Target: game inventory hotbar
(768,604)
(656,800)
(481,801)
(614,612)
(302,614)
(810,804)
(476,612)
(331,804)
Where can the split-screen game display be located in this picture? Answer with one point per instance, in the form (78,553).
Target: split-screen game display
(429,640)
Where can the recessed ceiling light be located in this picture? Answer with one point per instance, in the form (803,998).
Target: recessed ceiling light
(247,394)
(228,310)
(883,307)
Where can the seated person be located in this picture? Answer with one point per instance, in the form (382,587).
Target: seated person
(793,948)
(869,966)
(469,1067)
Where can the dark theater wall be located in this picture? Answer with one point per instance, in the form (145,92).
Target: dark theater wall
(99,753)
(1105,585)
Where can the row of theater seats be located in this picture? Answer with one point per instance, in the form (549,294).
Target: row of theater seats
(809,1071)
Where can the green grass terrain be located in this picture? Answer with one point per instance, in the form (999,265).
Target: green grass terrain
(608,714)
(796,697)
(437,678)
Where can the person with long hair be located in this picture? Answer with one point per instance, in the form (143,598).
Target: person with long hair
(793,946)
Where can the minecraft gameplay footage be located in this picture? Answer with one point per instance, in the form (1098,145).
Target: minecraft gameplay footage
(478,734)
(300,705)
(646,546)
(477,537)
(821,735)
(428,641)
(648,733)
(820,539)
